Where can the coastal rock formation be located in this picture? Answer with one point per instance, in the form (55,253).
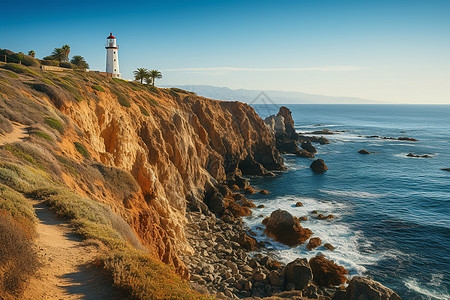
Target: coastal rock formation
(318,166)
(285,228)
(299,273)
(314,243)
(448,170)
(305,154)
(309,147)
(418,156)
(362,151)
(326,272)
(361,288)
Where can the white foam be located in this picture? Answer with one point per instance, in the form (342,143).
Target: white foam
(346,241)
(412,284)
(356,194)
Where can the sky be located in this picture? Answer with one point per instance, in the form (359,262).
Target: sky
(393,51)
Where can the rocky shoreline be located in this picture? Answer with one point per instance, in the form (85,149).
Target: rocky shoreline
(221,266)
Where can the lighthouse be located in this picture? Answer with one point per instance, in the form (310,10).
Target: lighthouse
(112,57)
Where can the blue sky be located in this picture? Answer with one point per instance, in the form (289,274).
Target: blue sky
(393,51)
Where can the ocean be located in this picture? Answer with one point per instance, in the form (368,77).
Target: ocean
(392,212)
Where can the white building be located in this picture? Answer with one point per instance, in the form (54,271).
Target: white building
(112,57)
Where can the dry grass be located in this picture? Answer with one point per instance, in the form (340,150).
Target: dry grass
(18,259)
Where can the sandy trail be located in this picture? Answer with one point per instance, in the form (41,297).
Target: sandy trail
(18,134)
(66,272)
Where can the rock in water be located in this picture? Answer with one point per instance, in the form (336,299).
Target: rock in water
(308,147)
(326,272)
(288,121)
(362,151)
(361,288)
(299,273)
(305,154)
(328,246)
(285,228)
(448,170)
(314,243)
(318,166)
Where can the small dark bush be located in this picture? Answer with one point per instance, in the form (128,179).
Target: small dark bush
(144,111)
(56,95)
(121,98)
(5,125)
(11,74)
(81,149)
(98,88)
(153,102)
(55,124)
(67,65)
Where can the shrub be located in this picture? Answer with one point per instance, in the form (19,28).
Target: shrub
(98,88)
(67,65)
(18,259)
(121,98)
(55,124)
(81,149)
(11,74)
(144,111)
(20,69)
(153,102)
(43,135)
(25,60)
(56,95)
(19,153)
(53,63)
(5,125)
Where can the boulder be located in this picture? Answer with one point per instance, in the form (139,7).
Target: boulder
(275,278)
(247,242)
(362,151)
(326,272)
(314,243)
(407,139)
(249,190)
(318,166)
(285,228)
(448,170)
(298,204)
(264,192)
(308,147)
(418,156)
(328,246)
(361,288)
(305,154)
(215,202)
(299,273)
(303,218)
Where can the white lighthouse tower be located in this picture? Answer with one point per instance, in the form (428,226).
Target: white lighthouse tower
(112,57)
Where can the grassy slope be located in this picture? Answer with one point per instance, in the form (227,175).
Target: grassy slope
(35,168)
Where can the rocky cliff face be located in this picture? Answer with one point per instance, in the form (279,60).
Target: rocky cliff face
(177,146)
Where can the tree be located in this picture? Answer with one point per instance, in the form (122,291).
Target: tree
(80,62)
(148,79)
(66,52)
(141,74)
(58,54)
(155,74)
(32,53)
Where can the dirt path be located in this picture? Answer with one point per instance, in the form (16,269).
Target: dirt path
(19,133)
(67,272)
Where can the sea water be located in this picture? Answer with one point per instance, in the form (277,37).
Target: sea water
(392,212)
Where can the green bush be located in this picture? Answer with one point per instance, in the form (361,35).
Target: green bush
(98,88)
(153,102)
(67,65)
(43,135)
(20,69)
(21,58)
(11,74)
(121,98)
(144,111)
(55,124)
(81,149)
(53,63)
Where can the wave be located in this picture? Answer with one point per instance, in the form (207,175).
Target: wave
(412,284)
(348,243)
(355,194)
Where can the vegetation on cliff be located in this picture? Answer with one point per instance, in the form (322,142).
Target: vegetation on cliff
(119,159)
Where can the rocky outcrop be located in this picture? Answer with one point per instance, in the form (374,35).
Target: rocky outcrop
(363,151)
(313,243)
(326,272)
(448,170)
(309,147)
(299,273)
(285,228)
(318,166)
(361,288)
(418,156)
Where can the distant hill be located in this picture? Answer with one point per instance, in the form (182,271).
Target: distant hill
(277,97)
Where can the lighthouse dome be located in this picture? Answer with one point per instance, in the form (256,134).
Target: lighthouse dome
(110,36)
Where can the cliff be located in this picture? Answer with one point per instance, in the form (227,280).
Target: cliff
(147,153)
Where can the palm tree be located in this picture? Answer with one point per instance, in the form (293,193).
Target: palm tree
(58,54)
(141,74)
(148,79)
(80,62)
(32,53)
(66,51)
(155,74)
